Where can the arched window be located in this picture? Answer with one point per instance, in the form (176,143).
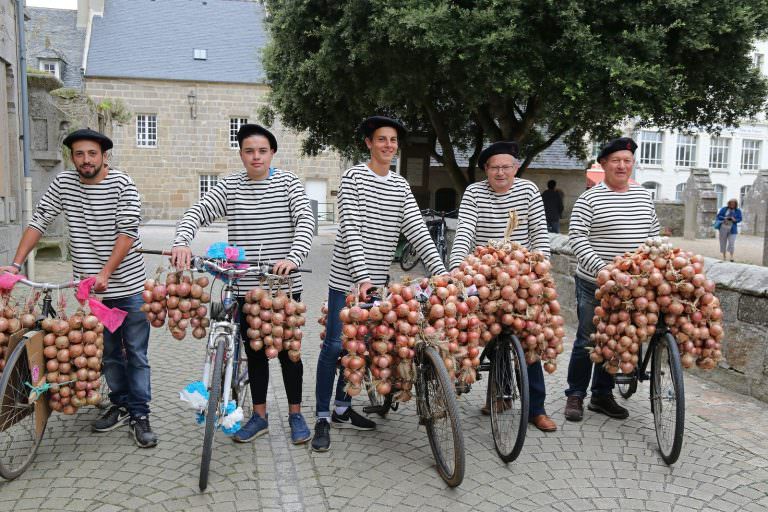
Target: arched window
(743,194)
(654,188)
(679,191)
(720,191)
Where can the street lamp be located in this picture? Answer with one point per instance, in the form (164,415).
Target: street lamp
(192,99)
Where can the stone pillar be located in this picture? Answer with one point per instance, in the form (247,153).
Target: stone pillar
(754,206)
(700,205)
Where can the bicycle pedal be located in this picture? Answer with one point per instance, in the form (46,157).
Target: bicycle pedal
(372,409)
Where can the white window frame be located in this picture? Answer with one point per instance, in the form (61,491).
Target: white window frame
(56,71)
(679,191)
(654,188)
(200,54)
(146,130)
(720,190)
(757,60)
(205,182)
(750,154)
(685,151)
(719,152)
(651,147)
(234,126)
(743,191)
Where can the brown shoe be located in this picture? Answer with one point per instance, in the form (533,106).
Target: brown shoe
(543,423)
(501,405)
(574,408)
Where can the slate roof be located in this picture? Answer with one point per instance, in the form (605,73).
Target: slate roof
(554,157)
(53,34)
(156,40)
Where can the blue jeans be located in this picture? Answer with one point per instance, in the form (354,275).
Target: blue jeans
(580,366)
(126,365)
(553,226)
(329,358)
(536,390)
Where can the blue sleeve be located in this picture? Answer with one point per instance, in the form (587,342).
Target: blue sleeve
(737,216)
(721,214)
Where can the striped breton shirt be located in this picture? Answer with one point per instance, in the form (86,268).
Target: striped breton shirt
(605,224)
(96,216)
(271,219)
(483,216)
(373,211)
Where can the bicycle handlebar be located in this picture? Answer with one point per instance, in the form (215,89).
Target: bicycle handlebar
(434,213)
(203,264)
(50,286)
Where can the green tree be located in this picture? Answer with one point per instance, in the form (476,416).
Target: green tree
(465,72)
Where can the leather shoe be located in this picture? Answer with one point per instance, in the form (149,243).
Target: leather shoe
(607,405)
(574,408)
(543,423)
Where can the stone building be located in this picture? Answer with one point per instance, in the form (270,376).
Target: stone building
(190,74)
(11,156)
(55,43)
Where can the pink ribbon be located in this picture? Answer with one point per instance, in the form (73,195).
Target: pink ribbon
(84,289)
(112,318)
(8,280)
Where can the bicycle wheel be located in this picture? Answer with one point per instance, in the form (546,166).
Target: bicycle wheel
(104,403)
(213,411)
(19,439)
(628,389)
(508,397)
(382,403)
(241,387)
(440,414)
(668,398)
(409,258)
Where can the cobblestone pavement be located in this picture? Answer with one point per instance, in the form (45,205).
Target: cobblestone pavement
(598,464)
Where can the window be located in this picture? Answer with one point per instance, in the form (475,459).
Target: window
(679,191)
(595,150)
(654,188)
(51,66)
(720,191)
(651,144)
(146,130)
(686,151)
(750,154)
(743,193)
(207,182)
(757,60)
(201,54)
(718,152)
(234,126)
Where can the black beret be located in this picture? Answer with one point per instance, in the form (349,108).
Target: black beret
(88,134)
(502,147)
(248,130)
(620,144)
(373,123)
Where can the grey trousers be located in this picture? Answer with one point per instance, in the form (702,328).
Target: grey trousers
(727,240)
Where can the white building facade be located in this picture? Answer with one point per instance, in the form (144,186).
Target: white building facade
(734,157)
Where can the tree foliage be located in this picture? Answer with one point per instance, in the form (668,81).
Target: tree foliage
(466,72)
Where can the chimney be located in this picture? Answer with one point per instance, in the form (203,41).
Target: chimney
(87,8)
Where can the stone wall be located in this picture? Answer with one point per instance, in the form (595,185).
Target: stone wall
(754,206)
(743,292)
(700,205)
(167,175)
(671,216)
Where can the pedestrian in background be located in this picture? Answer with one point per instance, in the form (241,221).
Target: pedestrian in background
(553,206)
(728,217)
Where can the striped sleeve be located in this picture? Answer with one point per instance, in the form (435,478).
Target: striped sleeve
(48,208)
(128,215)
(350,225)
(416,231)
(537,225)
(578,235)
(212,206)
(303,219)
(465,230)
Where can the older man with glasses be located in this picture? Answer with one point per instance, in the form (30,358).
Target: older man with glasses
(483,216)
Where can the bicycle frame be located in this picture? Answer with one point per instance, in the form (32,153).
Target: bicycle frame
(645,358)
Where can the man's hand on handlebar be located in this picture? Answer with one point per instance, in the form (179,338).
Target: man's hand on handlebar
(364,287)
(284,267)
(10,269)
(181,257)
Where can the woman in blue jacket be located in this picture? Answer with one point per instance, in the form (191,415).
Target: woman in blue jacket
(728,216)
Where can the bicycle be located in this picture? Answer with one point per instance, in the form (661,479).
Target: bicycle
(436,407)
(667,393)
(225,372)
(23,415)
(437,230)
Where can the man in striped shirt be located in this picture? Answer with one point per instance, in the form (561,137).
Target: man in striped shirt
(375,206)
(609,219)
(269,216)
(483,216)
(103,210)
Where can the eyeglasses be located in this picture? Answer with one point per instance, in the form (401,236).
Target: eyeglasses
(504,168)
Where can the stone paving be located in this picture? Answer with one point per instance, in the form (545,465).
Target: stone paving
(598,464)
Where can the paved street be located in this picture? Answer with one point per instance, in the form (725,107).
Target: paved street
(598,464)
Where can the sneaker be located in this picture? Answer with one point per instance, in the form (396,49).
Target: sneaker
(300,433)
(142,432)
(350,419)
(322,440)
(115,416)
(607,405)
(256,426)
(574,408)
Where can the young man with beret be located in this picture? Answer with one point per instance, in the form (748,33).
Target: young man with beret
(483,216)
(611,218)
(103,210)
(375,206)
(269,216)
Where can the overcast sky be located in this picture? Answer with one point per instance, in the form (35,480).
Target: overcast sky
(58,4)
